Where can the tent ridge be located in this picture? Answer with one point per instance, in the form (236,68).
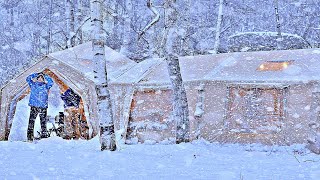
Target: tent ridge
(150,69)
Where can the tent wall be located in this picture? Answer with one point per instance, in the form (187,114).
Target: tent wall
(121,96)
(296,129)
(145,111)
(193,100)
(150,114)
(90,102)
(212,124)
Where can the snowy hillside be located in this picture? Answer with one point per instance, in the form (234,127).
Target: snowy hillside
(55,158)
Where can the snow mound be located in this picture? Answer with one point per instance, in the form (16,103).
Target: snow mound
(265,41)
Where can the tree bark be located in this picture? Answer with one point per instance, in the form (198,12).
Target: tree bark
(154,20)
(37,32)
(107,136)
(180,101)
(187,50)
(218,28)
(70,23)
(49,39)
(279,36)
(127,29)
(79,20)
(117,30)
(11,17)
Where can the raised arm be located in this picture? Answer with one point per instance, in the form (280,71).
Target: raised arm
(49,81)
(30,78)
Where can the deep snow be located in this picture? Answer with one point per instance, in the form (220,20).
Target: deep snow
(55,158)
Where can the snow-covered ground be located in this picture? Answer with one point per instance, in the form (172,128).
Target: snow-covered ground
(55,158)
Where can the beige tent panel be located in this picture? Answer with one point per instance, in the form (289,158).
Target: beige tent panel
(150,116)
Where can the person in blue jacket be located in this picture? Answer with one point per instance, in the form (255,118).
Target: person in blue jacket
(40,85)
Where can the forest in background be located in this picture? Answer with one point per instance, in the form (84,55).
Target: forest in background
(30,29)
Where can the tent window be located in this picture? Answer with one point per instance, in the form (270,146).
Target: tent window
(255,110)
(274,65)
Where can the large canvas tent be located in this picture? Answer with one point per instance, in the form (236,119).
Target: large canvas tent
(73,68)
(269,97)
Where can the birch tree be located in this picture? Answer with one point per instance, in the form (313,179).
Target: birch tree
(79,16)
(117,29)
(186,50)
(279,36)
(180,102)
(107,136)
(49,38)
(171,45)
(70,26)
(37,30)
(127,28)
(218,28)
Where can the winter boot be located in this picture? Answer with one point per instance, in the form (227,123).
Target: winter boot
(30,135)
(44,134)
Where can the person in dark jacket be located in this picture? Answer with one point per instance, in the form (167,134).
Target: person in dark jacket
(72,114)
(40,85)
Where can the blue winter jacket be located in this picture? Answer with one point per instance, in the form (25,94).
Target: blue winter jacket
(39,91)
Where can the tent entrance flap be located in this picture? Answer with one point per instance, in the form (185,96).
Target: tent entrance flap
(122,108)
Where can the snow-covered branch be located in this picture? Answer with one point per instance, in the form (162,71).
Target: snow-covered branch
(154,20)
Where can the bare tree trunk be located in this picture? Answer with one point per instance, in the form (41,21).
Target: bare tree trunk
(218,28)
(79,19)
(186,49)
(107,136)
(127,28)
(70,23)
(180,102)
(11,17)
(38,32)
(154,20)
(49,39)
(279,36)
(116,28)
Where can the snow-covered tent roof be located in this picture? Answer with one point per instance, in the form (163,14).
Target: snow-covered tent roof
(301,66)
(81,58)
